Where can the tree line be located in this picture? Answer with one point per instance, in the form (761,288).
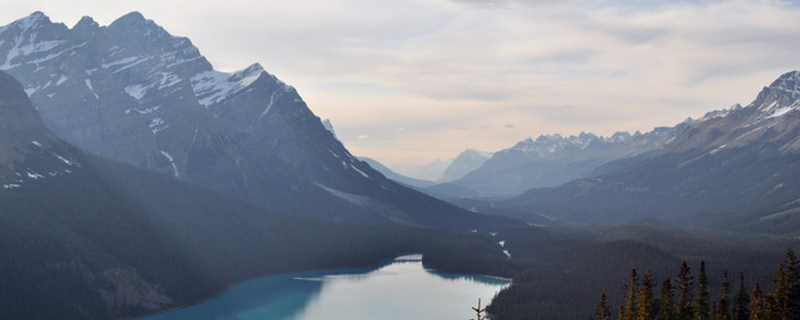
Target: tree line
(689,298)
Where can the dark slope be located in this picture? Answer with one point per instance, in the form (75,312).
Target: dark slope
(91,238)
(110,240)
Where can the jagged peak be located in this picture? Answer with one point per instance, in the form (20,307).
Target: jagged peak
(549,138)
(29,22)
(86,22)
(779,98)
(788,82)
(714,114)
(86,28)
(136,22)
(328,126)
(131,17)
(253,70)
(619,136)
(34,19)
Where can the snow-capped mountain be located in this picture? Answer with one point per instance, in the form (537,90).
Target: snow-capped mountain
(737,169)
(770,118)
(92,238)
(135,93)
(552,160)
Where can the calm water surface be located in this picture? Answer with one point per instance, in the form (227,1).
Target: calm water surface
(402,289)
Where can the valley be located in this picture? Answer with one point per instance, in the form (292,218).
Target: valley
(137,179)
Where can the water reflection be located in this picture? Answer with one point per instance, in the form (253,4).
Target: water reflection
(402,289)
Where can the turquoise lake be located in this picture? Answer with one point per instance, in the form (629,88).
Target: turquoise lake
(402,289)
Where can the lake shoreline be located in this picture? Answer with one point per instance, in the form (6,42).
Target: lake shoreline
(321,275)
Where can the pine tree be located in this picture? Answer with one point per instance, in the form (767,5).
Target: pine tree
(741,301)
(722,309)
(701,301)
(786,297)
(644,304)
(683,308)
(756,307)
(666,306)
(629,309)
(603,311)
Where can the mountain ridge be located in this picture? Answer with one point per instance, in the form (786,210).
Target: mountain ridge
(133,92)
(736,169)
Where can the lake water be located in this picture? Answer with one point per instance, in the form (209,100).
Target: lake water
(402,289)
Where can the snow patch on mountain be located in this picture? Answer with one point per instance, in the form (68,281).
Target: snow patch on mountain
(168,80)
(145,111)
(360,172)
(62,80)
(171,161)
(157,124)
(137,91)
(783,110)
(715,114)
(89,85)
(212,86)
(358,200)
(273,97)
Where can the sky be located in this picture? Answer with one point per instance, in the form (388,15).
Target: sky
(410,81)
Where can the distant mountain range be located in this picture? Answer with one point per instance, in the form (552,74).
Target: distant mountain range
(441,171)
(552,160)
(735,169)
(134,93)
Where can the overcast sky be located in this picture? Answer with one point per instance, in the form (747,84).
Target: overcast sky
(409,81)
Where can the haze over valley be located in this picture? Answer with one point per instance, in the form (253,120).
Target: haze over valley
(139,178)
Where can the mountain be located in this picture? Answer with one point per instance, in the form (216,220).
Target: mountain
(431,171)
(411,182)
(85,237)
(735,169)
(466,162)
(134,93)
(552,160)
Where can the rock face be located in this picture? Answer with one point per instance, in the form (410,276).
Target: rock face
(735,169)
(133,92)
(28,150)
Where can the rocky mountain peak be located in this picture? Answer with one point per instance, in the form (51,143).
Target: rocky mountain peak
(141,37)
(86,28)
(32,21)
(780,98)
(134,93)
(789,83)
